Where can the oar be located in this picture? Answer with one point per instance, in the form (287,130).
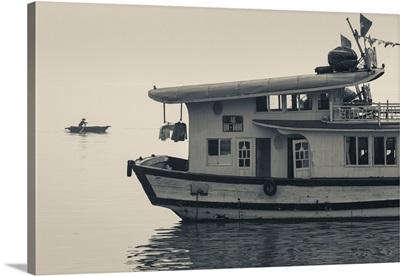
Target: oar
(82,129)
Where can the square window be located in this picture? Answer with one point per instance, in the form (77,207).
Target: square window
(379,151)
(323,101)
(297,102)
(225,148)
(391,151)
(357,152)
(385,151)
(213,147)
(261,104)
(219,152)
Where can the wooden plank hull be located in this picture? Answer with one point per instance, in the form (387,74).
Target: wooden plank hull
(200,213)
(209,197)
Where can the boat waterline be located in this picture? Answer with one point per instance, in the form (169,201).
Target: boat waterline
(207,197)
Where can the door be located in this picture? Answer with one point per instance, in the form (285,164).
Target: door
(245,156)
(301,159)
(263,157)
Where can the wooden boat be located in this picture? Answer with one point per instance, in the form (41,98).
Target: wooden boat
(85,129)
(281,148)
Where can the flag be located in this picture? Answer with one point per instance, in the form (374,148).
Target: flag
(365,24)
(345,42)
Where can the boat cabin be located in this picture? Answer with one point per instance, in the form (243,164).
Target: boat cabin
(310,126)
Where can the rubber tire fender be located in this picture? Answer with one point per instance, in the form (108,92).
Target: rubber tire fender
(270,187)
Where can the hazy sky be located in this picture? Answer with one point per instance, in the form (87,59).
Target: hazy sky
(99,60)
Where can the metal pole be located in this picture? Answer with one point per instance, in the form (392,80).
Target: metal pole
(181,113)
(387,109)
(164,112)
(379,114)
(355,34)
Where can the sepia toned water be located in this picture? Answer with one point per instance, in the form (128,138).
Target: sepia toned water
(93,218)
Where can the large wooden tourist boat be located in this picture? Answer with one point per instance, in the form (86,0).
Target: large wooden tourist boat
(301,147)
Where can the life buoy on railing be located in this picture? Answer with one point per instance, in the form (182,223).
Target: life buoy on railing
(129,168)
(270,187)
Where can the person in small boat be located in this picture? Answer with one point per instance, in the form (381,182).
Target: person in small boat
(83,122)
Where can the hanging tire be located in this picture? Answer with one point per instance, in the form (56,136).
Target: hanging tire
(270,187)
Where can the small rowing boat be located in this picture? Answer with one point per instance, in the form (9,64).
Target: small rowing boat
(85,129)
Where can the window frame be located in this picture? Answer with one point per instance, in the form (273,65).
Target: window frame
(298,98)
(244,155)
(385,139)
(267,101)
(320,105)
(223,158)
(357,151)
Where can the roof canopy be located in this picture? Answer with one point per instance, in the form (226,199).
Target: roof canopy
(262,87)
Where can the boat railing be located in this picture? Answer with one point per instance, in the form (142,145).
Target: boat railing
(374,112)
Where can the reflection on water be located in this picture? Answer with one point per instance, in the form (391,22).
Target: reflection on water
(248,244)
(89,143)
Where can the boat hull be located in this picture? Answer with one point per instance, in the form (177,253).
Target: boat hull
(212,197)
(199,213)
(93,129)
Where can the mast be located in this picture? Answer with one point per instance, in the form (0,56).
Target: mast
(355,34)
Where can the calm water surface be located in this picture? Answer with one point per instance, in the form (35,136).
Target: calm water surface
(247,244)
(93,218)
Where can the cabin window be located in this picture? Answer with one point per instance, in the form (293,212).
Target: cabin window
(275,102)
(219,152)
(299,102)
(357,151)
(261,104)
(269,103)
(323,101)
(244,154)
(302,155)
(385,151)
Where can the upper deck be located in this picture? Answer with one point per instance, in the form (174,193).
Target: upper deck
(263,87)
(317,97)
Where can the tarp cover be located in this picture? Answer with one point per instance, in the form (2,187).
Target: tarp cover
(342,59)
(262,87)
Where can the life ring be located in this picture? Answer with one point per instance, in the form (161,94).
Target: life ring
(270,187)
